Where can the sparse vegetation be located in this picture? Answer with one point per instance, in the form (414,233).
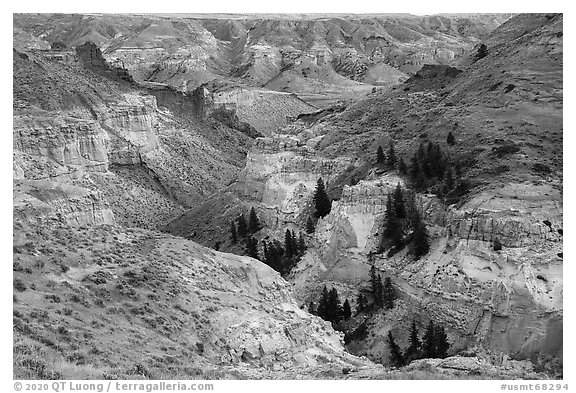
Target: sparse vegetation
(482,52)
(497,245)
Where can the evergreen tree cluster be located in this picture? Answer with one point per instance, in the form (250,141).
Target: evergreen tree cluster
(389,160)
(431,169)
(280,256)
(427,165)
(241,229)
(329,307)
(434,344)
(382,293)
(403,224)
(283,257)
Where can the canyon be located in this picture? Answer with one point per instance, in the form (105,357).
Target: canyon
(137,140)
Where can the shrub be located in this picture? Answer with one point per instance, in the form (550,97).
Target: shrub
(482,52)
(19,285)
(497,245)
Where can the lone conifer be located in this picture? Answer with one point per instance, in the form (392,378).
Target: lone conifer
(242,226)
(322,304)
(396,357)
(388,294)
(450,139)
(310,225)
(412,352)
(380,158)
(321,200)
(421,243)
(346,310)
(253,221)
(399,208)
(428,341)
(441,341)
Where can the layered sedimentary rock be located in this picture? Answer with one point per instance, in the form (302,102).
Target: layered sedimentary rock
(40,201)
(47,146)
(507,300)
(267,111)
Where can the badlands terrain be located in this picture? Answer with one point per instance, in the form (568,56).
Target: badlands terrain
(139,141)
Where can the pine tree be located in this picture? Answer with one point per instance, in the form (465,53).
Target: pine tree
(310,225)
(412,214)
(396,358)
(253,221)
(388,294)
(441,342)
(289,244)
(380,158)
(242,226)
(429,341)
(420,241)
(402,168)
(450,139)
(323,304)
(321,200)
(378,293)
(273,253)
(333,308)
(392,226)
(233,234)
(252,247)
(413,349)
(346,310)
(399,208)
(389,218)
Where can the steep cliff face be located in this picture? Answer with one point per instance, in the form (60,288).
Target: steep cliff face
(508,301)
(40,201)
(47,146)
(101,122)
